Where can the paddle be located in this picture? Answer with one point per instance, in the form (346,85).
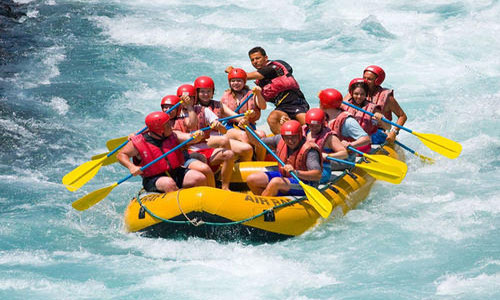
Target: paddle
(86,171)
(317,200)
(383,159)
(436,143)
(423,158)
(94,197)
(91,199)
(377,170)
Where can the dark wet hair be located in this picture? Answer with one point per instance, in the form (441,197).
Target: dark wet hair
(362,85)
(257,49)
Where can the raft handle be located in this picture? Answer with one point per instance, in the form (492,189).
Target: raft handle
(269,215)
(353,176)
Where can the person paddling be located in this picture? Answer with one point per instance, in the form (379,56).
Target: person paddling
(343,124)
(278,87)
(358,90)
(317,131)
(205,88)
(167,174)
(187,115)
(234,97)
(298,154)
(374,76)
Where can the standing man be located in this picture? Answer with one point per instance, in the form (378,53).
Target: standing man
(278,87)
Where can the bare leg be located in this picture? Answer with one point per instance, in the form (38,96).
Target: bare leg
(274,120)
(226,158)
(242,150)
(194,178)
(166,184)
(276,185)
(257,182)
(301,118)
(205,169)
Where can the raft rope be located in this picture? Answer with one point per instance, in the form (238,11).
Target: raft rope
(196,222)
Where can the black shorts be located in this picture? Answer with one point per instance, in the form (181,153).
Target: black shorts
(293,104)
(149,183)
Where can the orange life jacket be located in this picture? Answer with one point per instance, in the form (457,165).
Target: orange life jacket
(379,98)
(298,159)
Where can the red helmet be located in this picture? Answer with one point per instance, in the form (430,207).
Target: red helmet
(354,81)
(186,88)
(170,100)
(156,120)
(330,98)
(237,73)
(291,127)
(377,71)
(204,82)
(315,116)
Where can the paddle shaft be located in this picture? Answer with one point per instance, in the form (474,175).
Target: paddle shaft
(405,147)
(270,151)
(356,150)
(371,114)
(175,148)
(141,131)
(225,119)
(241,105)
(157,159)
(341,161)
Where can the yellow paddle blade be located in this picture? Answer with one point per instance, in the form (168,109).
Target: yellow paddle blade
(91,199)
(115,143)
(110,160)
(82,174)
(389,161)
(439,144)
(424,158)
(317,200)
(383,172)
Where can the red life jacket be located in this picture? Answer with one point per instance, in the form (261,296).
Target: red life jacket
(149,152)
(336,126)
(279,84)
(321,138)
(200,115)
(364,119)
(379,98)
(298,159)
(231,102)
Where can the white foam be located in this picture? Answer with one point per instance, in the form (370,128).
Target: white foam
(482,285)
(60,105)
(138,31)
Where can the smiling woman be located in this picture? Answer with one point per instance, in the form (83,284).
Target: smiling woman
(75,74)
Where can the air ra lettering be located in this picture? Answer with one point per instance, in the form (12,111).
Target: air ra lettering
(263,200)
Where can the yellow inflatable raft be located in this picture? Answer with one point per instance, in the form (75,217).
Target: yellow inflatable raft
(226,215)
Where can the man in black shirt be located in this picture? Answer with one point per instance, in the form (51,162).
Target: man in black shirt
(279,87)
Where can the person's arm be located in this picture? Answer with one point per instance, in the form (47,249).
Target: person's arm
(314,169)
(377,115)
(352,129)
(127,152)
(183,136)
(250,75)
(260,101)
(394,107)
(339,151)
(192,119)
